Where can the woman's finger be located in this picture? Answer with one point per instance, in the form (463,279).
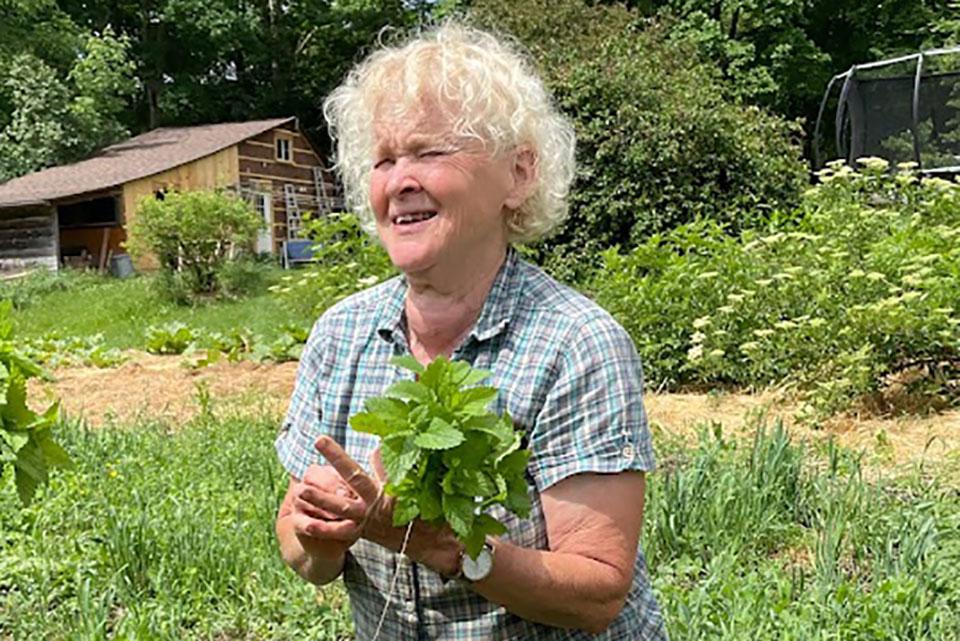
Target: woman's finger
(361,482)
(339,506)
(345,531)
(314,512)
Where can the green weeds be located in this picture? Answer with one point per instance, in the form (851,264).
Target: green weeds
(160,534)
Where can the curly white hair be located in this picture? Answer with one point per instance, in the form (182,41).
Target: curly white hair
(494,95)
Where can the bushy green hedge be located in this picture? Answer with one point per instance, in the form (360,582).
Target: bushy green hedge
(861,282)
(193,235)
(347,260)
(658,142)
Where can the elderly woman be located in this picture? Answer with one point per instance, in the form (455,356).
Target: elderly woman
(451,150)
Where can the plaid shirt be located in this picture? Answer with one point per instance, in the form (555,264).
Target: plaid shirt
(569,376)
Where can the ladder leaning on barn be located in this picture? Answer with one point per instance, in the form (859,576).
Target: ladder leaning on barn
(295,250)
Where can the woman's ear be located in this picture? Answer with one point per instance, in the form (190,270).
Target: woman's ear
(524,172)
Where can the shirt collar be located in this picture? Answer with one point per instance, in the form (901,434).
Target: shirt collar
(494,318)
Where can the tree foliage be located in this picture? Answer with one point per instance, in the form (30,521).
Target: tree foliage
(659,143)
(59,118)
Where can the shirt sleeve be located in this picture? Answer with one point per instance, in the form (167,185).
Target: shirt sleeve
(593,419)
(302,425)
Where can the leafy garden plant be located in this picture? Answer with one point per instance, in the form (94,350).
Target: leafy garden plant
(854,288)
(26,440)
(448,458)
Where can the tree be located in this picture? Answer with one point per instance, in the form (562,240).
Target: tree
(659,142)
(62,119)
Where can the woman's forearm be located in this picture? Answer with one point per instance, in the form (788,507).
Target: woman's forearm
(313,568)
(555,588)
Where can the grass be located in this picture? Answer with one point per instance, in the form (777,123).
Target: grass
(78,304)
(159,535)
(168,534)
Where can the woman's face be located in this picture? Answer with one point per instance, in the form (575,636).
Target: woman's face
(439,200)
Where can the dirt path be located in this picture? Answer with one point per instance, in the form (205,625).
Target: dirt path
(150,386)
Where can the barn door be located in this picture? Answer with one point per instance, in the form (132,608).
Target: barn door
(264,207)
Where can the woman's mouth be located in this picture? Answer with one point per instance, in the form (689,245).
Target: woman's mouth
(413,217)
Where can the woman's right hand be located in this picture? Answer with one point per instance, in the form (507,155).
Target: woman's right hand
(323,533)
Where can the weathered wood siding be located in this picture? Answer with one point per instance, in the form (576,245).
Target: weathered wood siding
(28,237)
(260,170)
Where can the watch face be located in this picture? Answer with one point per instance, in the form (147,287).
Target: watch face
(479,569)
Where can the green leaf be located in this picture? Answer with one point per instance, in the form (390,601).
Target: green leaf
(388,408)
(439,436)
(514,464)
(55,455)
(474,482)
(405,510)
(518,497)
(16,410)
(473,377)
(408,362)
(16,439)
(400,454)
(459,513)
(370,423)
(433,376)
(484,525)
(407,390)
(26,486)
(475,401)
(431,500)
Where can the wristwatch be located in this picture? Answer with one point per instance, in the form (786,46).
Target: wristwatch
(473,570)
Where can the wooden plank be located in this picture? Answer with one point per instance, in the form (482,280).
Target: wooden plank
(277,170)
(38,232)
(25,223)
(258,176)
(103,250)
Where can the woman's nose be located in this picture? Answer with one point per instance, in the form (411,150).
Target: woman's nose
(403,179)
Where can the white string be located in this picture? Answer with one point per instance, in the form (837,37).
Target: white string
(393,582)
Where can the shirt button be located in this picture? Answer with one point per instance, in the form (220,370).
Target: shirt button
(628,452)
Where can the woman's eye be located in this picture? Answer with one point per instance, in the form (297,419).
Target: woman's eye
(383,162)
(432,152)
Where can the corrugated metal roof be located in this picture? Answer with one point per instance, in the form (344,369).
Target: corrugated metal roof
(138,157)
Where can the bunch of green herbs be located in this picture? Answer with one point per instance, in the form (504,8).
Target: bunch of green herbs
(448,458)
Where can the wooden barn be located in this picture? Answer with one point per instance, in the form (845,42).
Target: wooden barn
(78,214)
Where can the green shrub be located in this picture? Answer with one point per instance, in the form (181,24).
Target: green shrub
(658,143)
(860,283)
(243,277)
(193,234)
(347,261)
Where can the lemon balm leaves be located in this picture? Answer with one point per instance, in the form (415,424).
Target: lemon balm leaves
(439,436)
(447,456)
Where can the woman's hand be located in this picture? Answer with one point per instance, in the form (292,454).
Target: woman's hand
(437,548)
(326,512)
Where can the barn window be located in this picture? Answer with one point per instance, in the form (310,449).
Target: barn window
(284,149)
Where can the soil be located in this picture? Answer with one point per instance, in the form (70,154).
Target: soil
(162,387)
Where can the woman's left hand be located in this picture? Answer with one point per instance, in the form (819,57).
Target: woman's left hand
(434,547)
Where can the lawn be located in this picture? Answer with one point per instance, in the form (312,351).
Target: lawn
(81,305)
(167,533)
